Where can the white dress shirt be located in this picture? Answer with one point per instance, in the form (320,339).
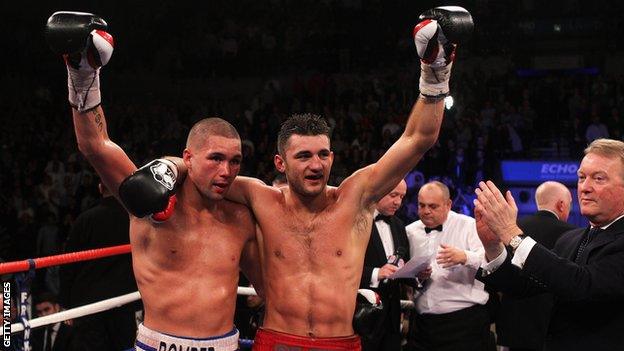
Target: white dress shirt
(385,234)
(454,288)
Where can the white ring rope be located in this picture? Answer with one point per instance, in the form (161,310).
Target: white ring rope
(81,311)
(118,301)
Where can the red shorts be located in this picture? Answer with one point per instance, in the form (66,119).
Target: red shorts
(270,340)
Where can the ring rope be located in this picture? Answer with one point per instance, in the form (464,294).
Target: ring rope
(42,262)
(81,311)
(96,307)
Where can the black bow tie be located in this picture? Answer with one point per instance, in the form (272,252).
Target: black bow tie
(438,228)
(384,218)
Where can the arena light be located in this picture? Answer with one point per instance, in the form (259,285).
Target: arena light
(448,102)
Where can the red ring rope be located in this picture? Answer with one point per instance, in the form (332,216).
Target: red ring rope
(42,262)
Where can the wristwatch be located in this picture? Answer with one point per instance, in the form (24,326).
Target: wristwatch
(515,242)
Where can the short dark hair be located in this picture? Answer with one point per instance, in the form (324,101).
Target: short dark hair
(301,124)
(210,126)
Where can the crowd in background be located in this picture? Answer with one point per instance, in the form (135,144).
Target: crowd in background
(46,183)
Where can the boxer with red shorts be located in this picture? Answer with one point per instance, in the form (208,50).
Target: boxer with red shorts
(312,236)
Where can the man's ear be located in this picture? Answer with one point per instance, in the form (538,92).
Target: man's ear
(560,207)
(186,157)
(280,163)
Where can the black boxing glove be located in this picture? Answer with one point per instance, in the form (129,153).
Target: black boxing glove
(86,46)
(66,32)
(436,38)
(150,190)
(369,314)
(456,22)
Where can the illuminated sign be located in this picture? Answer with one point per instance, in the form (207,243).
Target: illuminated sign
(535,172)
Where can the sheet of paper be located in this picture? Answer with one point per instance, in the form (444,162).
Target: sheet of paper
(413,266)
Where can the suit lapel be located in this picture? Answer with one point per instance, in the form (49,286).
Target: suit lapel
(395,236)
(381,253)
(601,239)
(569,247)
(605,237)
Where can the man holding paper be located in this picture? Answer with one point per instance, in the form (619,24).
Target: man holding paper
(451,309)
(387,249)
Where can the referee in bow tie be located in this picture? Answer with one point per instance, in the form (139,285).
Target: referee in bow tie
(451,309)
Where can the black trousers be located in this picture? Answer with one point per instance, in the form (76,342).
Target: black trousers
(467,329)
(390,340)
(109,330)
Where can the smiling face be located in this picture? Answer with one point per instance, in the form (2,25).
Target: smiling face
(213,165)
(601,188)
(307,162)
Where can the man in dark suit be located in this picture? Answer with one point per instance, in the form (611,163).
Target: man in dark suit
(82,283)
(54,337)
(532,313)
(387,238)
(584,270)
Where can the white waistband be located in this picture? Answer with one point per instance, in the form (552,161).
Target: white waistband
(151,340)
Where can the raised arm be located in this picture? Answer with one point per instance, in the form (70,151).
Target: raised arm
(108,159)
(86,46)
(435,38)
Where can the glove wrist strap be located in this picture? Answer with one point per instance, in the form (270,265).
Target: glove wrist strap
(434,81)
(84,89)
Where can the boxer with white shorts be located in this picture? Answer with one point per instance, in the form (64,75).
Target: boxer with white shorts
(186,249)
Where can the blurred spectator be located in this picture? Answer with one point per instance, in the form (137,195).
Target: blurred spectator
(53,337)
(102,226)
(596,129)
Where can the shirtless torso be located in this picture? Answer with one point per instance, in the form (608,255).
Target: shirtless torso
(187,267)
(313,237)
(312,261)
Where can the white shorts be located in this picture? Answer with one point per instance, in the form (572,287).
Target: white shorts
(151,340)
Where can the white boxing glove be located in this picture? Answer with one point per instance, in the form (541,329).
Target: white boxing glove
(83,70)
(436,38)
(436,59)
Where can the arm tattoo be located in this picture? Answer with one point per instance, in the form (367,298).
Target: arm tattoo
(99,121)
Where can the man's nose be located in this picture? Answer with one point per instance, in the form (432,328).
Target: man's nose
(584,186)
(316,164)
(225,169)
